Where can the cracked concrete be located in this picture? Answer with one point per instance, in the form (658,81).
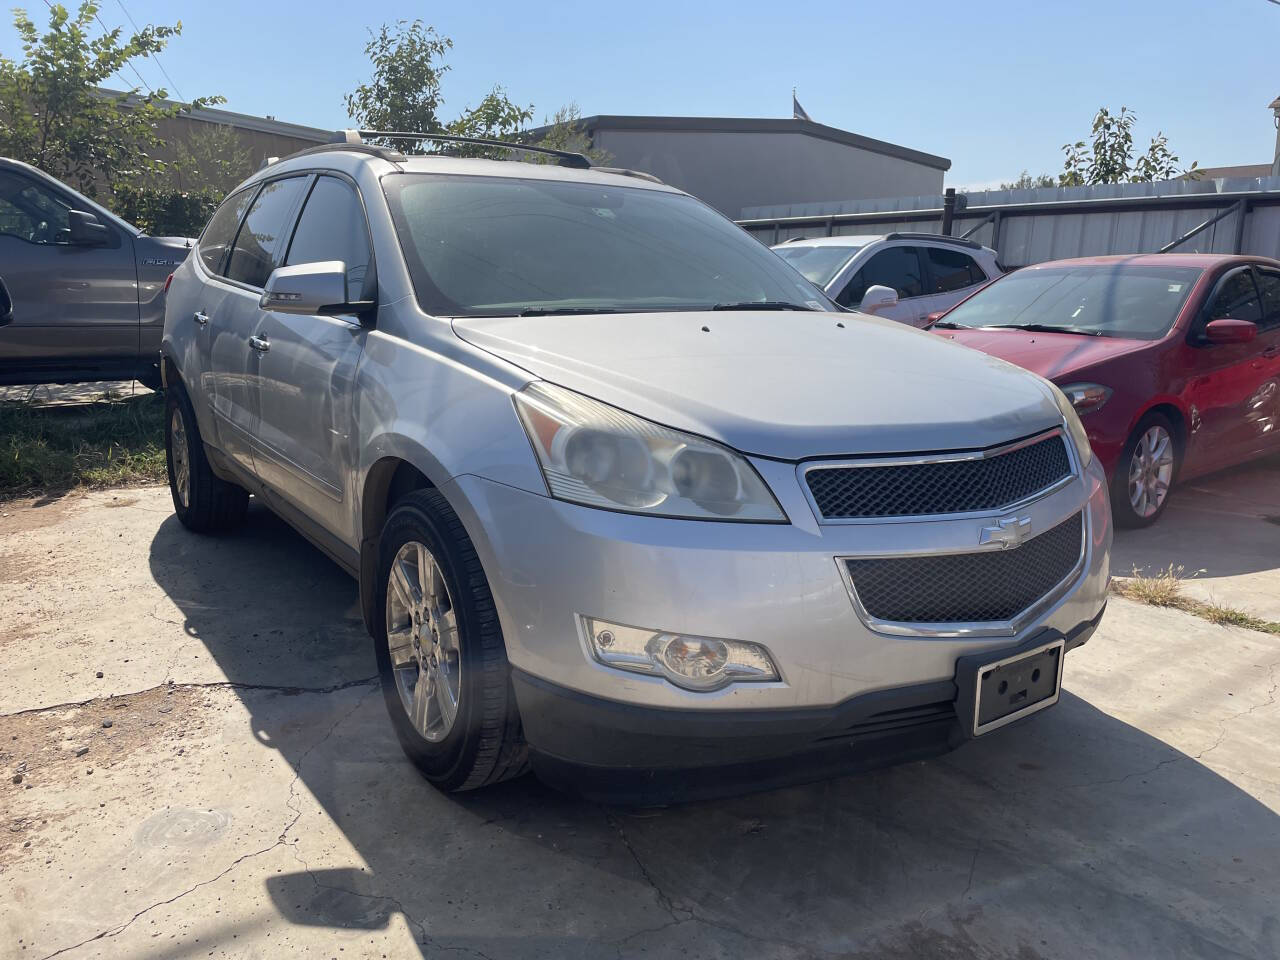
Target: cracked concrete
(249,799)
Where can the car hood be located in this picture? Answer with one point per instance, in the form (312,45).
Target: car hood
(1055,356)
(787,385)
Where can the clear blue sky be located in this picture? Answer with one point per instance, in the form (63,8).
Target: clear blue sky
(996,86)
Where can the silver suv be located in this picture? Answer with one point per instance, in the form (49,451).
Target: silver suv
(626,499)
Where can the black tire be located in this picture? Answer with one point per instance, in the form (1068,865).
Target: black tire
(212,505)
(485,743)
(1122,507)
(150,378)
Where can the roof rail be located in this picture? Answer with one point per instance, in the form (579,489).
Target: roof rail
(626,172)
(385,153)
(940,237)
(356,138)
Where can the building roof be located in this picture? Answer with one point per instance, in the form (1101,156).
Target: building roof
(242,121)
(756,125)
(1239,170)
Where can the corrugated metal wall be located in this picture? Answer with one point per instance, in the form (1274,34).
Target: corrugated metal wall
(1068,229)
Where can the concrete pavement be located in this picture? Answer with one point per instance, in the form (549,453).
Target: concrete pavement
(248,798)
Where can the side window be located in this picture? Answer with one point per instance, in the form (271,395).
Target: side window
(259,246)
(32,213)
(897,267)
(332,227)
(1269,287)
(221,230)
(952,270)
(1236,298)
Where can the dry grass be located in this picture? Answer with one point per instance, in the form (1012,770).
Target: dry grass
(1165,590)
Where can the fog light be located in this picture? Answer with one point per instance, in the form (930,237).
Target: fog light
(695,663)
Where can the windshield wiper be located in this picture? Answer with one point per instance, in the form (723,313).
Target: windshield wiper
(562,311)
(946,325)
(762,305)
(1042,328)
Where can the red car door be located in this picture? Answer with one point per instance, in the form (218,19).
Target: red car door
(1264,405)
(1225,379)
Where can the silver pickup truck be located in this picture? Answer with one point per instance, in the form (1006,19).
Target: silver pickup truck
(87,288)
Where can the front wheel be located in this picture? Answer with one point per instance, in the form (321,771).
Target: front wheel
(1145,472)
(441,656)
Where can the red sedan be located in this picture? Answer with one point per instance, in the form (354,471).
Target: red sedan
(1171,360)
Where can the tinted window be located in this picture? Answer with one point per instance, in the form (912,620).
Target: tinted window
(1236,298)
(221,229)
(1138,302)
(818,264)
(32,213)
(504,246)
(897,268)
(1269,286)
(259,245)
(332,227)
(952,270)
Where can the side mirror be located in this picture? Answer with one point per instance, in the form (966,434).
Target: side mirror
(6,306)
(878,298)
(933,318)
(1227,330)
(311,289)
(87,230)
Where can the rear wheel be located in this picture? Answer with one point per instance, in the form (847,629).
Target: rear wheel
(1145,472)
(441,656)
(203,502)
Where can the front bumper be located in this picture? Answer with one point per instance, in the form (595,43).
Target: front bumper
(549,563)
(626,753)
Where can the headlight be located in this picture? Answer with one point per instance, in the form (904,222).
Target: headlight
(1087,397)
(691,662)
(600,456)
(1074,426)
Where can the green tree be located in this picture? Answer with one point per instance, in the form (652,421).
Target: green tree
(404,93)
(1109,156)
(211,159)
(567,132)
(54,115)
(1026,181)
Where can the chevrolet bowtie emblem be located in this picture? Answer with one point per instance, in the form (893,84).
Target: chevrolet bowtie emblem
(1008,532)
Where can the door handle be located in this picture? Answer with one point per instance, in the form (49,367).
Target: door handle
(200,317)
(261,344)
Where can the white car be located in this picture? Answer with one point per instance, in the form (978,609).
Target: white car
(898,276)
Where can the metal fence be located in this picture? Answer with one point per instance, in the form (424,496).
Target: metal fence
(1236,215)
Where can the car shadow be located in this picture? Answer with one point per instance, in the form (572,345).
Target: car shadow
(1220,525)
(1072,834)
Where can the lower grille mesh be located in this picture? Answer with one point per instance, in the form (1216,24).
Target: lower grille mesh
(968,587)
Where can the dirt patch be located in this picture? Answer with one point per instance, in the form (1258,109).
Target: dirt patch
(51,748)
(32,513)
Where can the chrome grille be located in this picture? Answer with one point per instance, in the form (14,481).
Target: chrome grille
(992,586)
(990,481)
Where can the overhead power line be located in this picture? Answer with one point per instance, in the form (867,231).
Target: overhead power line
(137,29)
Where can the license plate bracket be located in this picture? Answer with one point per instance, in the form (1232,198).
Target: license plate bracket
(995,689)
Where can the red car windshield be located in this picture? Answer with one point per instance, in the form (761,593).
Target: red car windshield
(1110,300)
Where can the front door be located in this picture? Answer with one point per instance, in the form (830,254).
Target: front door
(306,373)
(1227,391)
(896,267)
(75,307)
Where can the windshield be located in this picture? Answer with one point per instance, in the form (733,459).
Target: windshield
(493,246)
(818,264)
(1112,300)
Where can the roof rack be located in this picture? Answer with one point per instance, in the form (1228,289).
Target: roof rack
(627,172)
(385,153)
(354,139)
(940,237)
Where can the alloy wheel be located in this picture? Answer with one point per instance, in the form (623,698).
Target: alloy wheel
(181,457)
(422,638)
(1151,471)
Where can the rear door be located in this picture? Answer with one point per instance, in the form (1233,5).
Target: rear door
(306,373)
(1228,379)
(952,275)
(898,267)
(75,307)
(233,363)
